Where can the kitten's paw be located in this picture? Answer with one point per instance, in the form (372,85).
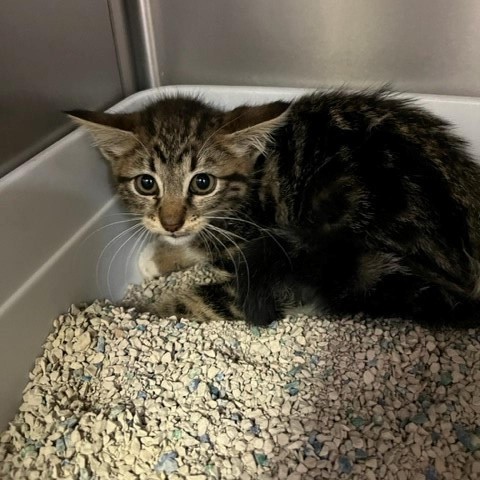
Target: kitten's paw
(160,259)
(146,262)
(203,303)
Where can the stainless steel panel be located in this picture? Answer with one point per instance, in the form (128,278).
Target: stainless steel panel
(54,55)
(418,45)
(145,32)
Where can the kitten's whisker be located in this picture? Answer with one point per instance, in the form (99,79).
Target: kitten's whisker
(235,244)
(132,250)
(106,226)
(145,240)
(204,240)
(97,268)
(230,233)
(124,214)
(268,231)
(262,229)
(210,235)
(228,252)
(136,232)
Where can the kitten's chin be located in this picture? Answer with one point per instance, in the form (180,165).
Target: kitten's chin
(178,240)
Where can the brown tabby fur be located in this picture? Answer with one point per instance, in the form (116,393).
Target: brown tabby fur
(352,202)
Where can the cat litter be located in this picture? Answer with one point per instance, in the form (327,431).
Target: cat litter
(123,394)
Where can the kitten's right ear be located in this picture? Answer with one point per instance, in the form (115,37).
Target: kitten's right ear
(113,133)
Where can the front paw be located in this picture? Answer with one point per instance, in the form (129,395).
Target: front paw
(260,308)
(263,316)
(161,259)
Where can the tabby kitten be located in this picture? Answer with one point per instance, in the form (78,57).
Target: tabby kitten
(355,202)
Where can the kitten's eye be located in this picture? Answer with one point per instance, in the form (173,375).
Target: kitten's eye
(202,184)
(145,185)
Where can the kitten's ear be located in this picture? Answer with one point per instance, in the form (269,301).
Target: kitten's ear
(112,133)
(251,128)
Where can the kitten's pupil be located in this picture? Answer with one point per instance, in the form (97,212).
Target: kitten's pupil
(146,185)
(202,181)
(202,184)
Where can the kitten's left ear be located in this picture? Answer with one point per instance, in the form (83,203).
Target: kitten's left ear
(113,133)
(252,127)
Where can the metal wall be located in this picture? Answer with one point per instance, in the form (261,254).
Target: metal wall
(60,54)
(55,55)
(430,46)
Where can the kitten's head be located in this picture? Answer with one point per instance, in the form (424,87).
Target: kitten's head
(180,162)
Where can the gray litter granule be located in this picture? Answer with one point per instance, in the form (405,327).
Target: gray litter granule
(123,394)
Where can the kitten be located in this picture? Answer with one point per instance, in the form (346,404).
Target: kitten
(357,202)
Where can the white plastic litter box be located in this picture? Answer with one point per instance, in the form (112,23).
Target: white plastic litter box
(54,212)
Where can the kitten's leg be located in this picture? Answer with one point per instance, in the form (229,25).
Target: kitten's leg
(424,302)
(248,286)
(254,284)
(158,258)
(308,268)
(214,301)
(407,295)
(265,268)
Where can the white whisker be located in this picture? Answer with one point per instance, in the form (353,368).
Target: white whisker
(132,251)
(262,229)
(230,233)
(227,236)
(106,226)
(212,235)
(136,232)
(124,214)
(204,240)
(97,268)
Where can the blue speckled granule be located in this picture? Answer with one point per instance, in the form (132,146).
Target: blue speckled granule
(204,438)
(100,344)
(193,385)
(345,464)
(292,388)
(167,463)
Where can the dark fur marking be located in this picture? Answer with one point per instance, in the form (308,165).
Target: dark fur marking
(372,202)
(217,298)
(193,162)
(161,155)
(235,177)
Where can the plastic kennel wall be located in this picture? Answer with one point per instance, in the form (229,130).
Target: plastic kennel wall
(53,208)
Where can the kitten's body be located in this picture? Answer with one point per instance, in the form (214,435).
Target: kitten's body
(357,202)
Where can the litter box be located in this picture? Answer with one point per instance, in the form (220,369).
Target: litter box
(57,246)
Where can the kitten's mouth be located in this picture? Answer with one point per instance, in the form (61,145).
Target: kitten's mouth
(178,238)
(179,234)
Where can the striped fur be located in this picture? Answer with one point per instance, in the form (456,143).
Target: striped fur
(355,202)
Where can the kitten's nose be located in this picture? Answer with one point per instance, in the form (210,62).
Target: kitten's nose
(171,227)
(172,216)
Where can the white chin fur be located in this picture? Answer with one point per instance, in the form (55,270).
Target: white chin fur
(146,264)
(183,240)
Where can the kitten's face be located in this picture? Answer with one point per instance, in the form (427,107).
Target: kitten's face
(182,180)
(182,164)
